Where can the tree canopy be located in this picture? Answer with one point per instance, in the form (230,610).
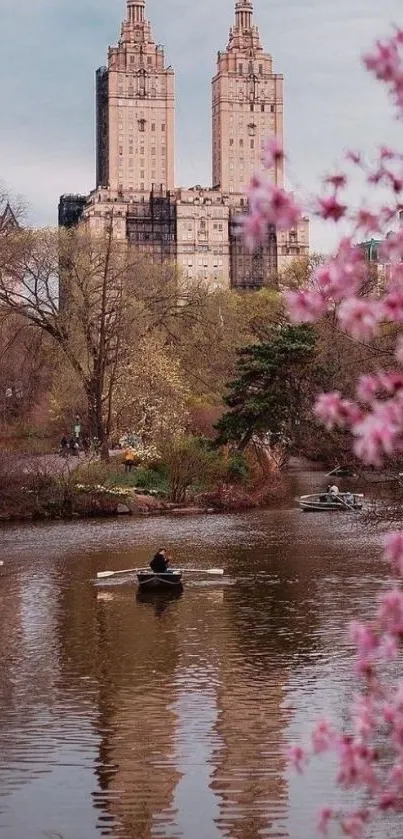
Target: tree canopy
(272,391)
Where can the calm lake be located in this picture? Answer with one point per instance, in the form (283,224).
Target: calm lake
(170,718)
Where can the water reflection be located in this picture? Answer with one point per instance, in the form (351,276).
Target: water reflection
(168,715)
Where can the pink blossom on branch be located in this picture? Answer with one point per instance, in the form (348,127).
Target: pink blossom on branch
(394,551)
(333,410)
(343,275)
(323,736)
(360,318)
(330,208)
(298,757)
(386,63)
(305,306)
(377,435)
(376,423)
(324,819)
(273,153)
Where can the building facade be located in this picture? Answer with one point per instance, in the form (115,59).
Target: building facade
(247,106)
(135,111)
(135,191)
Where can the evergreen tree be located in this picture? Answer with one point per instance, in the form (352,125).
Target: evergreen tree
(273,390)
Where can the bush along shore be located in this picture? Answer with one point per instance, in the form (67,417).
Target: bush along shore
(206,482)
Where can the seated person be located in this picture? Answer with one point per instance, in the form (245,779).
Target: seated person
(159,563)
(333,491)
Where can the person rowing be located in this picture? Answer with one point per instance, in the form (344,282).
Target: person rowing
(159,563)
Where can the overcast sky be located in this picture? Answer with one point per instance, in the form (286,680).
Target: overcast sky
(49,50)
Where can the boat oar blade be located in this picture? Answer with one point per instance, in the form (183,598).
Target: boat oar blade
(103,575)
(216,572)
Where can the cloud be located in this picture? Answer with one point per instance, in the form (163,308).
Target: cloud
(49,50)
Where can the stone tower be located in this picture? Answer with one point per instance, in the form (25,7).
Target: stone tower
(135,111)
(247,105)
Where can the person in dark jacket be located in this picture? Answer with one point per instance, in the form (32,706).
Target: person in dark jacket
(159,563)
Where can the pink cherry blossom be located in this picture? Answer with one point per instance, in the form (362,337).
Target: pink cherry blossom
(337,181)
(322,736)
(364,714)
(376,435)
(253,229)
(364,639)
(367,222)
(305,306)
(394,550)
(385,62)
(332,410)
(360,318)
(273,153)
(375,421)
(354,157)
(297,757)
(354,825)
(390,612)
(330,208)
(368,387)
(343,275)
(324,818)
(399,349)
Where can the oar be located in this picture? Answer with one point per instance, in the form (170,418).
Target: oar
(349,506)
(102,575)
(218,572)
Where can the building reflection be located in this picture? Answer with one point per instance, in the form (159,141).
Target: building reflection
(137,658)
(248,761)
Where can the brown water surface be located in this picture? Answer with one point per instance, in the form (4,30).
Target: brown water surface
(169,718)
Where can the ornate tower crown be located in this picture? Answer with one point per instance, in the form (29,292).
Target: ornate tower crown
(244,34)
(244,14)
(136,11)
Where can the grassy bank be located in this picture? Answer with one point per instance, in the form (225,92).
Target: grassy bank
(191,476)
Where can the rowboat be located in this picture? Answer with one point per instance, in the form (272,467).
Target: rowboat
(323,501)
(149,581)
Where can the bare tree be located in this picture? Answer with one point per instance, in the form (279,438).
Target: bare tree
(95,297)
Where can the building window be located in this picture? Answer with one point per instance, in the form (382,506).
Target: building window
(142,125)
(252,144)
(163,126)
(251,107)
(262,108)
(241,144)
(149,59)
(240,69)
(153,126)
(231,142)
(272,109)
(141,174)
(261,69)
(132,58)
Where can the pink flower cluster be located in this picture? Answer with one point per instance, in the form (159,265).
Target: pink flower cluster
(375,713)
(268,203)
(386,63)
(375,420)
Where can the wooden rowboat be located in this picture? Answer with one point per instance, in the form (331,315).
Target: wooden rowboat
(322,502)
(148,581)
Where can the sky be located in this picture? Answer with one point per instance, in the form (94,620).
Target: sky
(50,49)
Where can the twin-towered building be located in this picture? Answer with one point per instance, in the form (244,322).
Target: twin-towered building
(135,189)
